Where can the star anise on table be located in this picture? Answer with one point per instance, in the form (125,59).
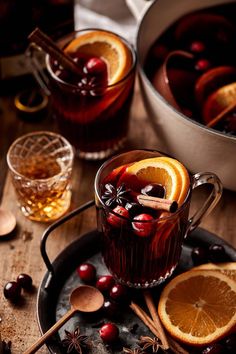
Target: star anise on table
(75,342)
(113,195)
(149,342)
(133,351)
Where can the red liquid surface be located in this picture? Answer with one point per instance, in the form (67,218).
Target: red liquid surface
(136,259)
(92,115)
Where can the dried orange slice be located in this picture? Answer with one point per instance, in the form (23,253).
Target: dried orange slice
(108,47)
(199,307)
(227,268)
(157,170)
(184,176)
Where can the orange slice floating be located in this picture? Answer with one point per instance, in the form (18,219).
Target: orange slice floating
(108,47)
(166,171)
(199,307)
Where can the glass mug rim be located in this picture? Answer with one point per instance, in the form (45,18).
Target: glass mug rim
(154,220)
(40,132)
(129,45)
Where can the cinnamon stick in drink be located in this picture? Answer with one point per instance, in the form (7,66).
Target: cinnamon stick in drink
(48,46)
(157,203)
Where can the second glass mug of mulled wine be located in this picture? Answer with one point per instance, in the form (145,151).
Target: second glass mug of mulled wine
(142,241)
(92,107)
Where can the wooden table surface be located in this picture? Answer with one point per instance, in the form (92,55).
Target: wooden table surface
(21,252)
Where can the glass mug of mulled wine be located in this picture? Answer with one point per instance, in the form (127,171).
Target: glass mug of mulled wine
(142,201)
(91,107)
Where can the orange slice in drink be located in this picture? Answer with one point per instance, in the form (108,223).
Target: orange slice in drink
(199,307)
(163,171)
(108,47)
(184,176)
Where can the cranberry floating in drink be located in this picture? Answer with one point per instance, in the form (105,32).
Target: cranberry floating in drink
(92,105)
(143,200)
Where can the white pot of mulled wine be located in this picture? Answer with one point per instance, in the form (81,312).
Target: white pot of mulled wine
(187,74)
(143,214)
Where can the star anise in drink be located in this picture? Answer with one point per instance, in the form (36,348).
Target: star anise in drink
(113,195)
(150,343)
(75,342)
(89,86)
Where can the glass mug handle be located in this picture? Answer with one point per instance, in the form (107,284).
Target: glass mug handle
(212,200)
(36,63)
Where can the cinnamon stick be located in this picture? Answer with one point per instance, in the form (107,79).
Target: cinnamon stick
(152,309)
(174,346)
(145,318)
(221,115)
(47,44)
(157,203)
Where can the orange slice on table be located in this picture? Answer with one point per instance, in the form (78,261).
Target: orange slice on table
(227,268)
(163,171)
(199,307)
(108,47)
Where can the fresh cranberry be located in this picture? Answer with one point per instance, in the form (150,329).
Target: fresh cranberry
(95,66)
(217,253)
(110,308)
(199,255)
(214,349)
(25,281)
(87,272)
(197,47)
(116,220)
(118,293)
(105,283)
(154,190)
(143,226)
(109,332)
(12,290)
(202,65)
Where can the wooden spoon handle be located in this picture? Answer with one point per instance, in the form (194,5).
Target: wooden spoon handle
(50,332)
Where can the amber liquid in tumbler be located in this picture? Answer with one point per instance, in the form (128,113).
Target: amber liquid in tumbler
(139,261)
(48,199)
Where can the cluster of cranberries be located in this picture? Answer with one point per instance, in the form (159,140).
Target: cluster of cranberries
(115,296)
(93,74)
(214,253)
(127,208)
(12,289)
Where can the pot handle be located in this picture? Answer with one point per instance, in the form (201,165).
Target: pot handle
(211,201)
(138,7)
(49,230)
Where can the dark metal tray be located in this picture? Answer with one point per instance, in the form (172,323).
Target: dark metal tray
(61,278)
